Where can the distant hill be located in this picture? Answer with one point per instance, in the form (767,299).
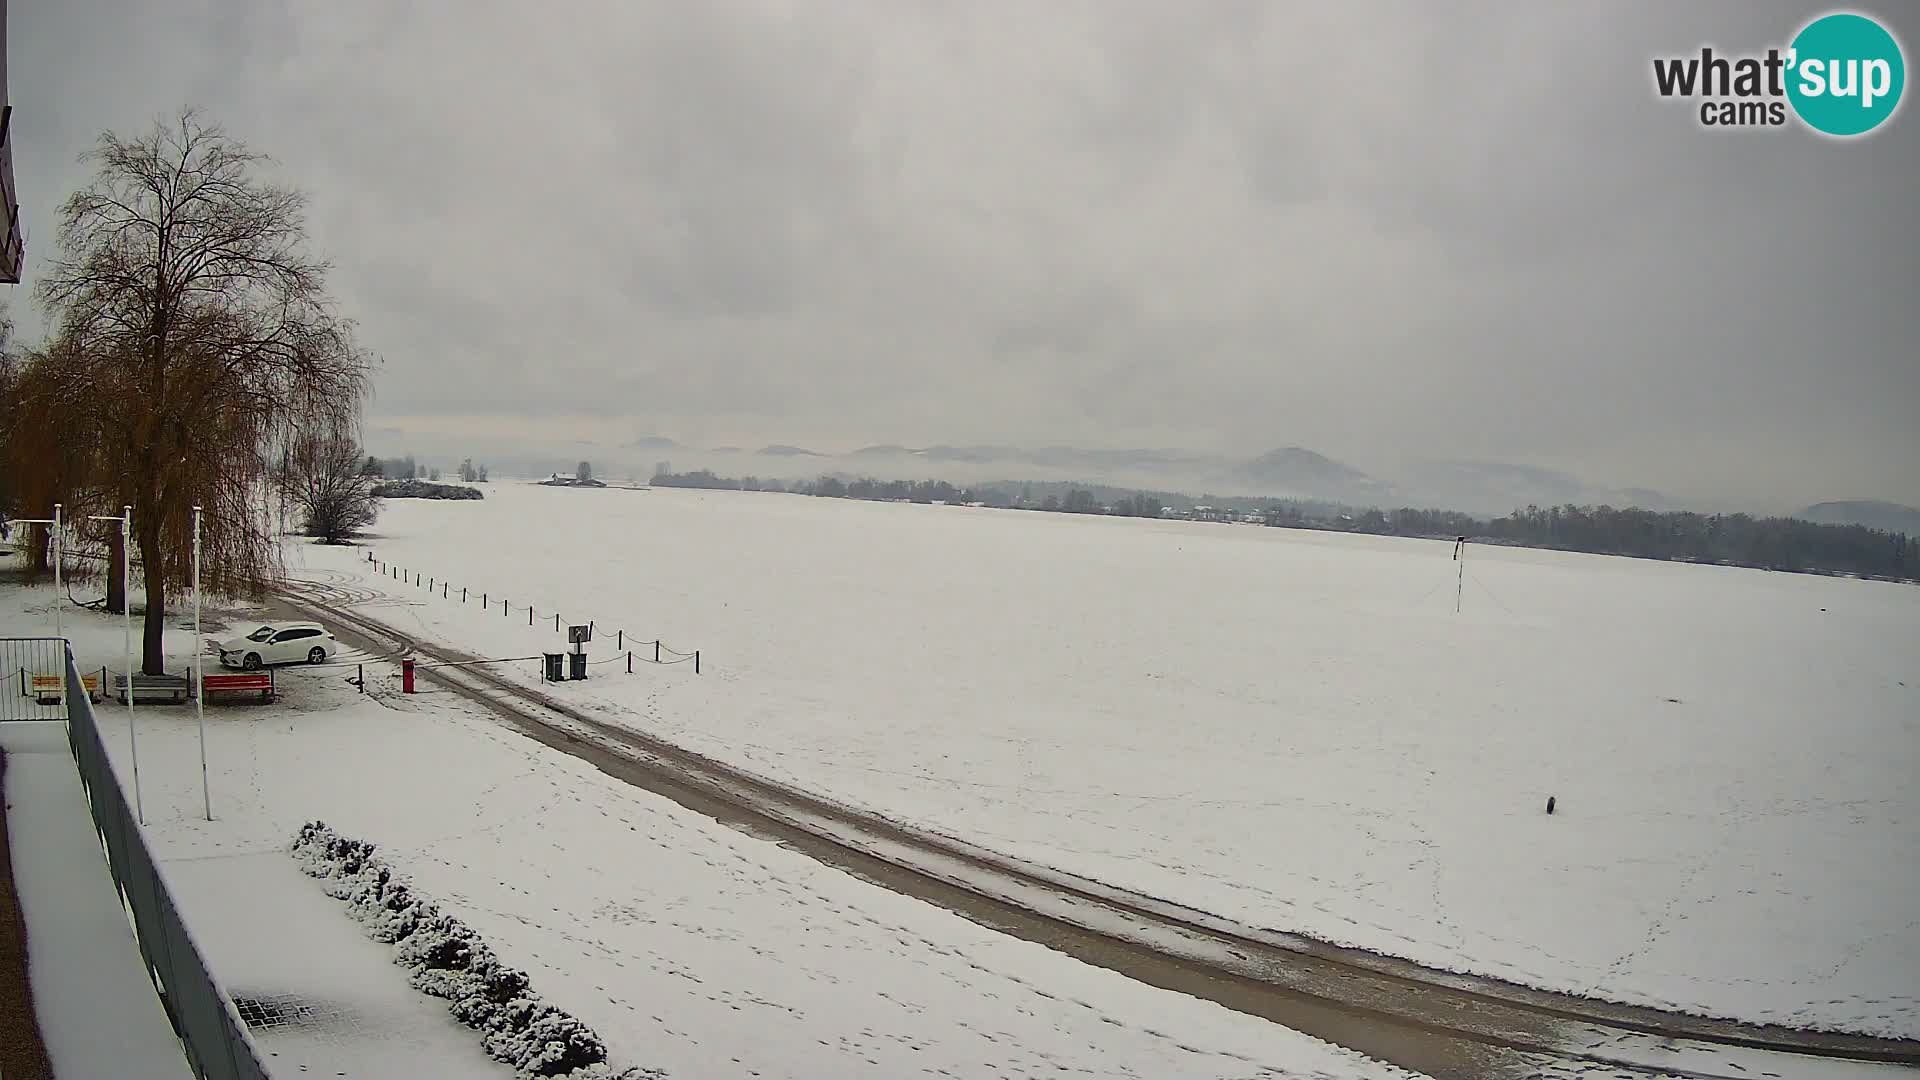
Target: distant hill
(1297,470)
(971,453)
(654,442)
(788,451)
(882,450)
(1073,457)
(1497,487)
(1873,513)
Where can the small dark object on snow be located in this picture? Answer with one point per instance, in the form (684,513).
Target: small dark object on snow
(1550,804)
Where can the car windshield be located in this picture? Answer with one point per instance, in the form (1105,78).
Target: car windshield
(261,634)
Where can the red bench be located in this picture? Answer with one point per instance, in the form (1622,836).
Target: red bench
(254,682)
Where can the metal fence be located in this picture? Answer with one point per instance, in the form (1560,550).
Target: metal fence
(203,1013)
(35,683)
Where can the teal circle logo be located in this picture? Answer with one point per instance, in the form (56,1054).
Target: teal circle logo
(1845,74)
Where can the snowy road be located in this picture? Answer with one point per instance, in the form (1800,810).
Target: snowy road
(1440,1023)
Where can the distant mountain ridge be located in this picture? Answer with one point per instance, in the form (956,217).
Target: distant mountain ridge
(1289,471)
(1485,488)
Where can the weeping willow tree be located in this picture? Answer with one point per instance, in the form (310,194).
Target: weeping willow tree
(196,338)
(51,455)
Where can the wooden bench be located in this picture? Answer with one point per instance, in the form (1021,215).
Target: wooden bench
(52,689)
(154,689)
(255,682)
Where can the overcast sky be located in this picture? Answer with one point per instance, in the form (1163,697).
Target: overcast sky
(1384,232)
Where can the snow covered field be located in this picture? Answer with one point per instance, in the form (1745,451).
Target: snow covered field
(686,944)
(1292,729)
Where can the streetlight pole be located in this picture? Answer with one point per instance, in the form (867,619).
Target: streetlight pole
(53,537)
(59,594)
(126,606)
(199,669)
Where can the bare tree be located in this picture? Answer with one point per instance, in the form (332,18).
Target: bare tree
(323,477)
(204,337)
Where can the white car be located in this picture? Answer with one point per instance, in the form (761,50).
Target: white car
(281,643)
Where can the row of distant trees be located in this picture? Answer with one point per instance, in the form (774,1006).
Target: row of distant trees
(406,468)
(194,358)
(1734,539)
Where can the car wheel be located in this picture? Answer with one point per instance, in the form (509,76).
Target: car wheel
(252,662)
(316,655)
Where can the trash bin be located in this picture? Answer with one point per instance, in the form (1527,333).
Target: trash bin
(576,665)
(553,666)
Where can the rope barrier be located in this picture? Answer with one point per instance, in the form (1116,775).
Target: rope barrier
(472,663)
(507,608)
(1490,593)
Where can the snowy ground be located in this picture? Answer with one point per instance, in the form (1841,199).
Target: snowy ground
(1287,728)
(686,944)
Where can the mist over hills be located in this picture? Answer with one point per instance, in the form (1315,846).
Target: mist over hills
(1477,487)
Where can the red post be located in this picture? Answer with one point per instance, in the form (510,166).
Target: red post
(406,674)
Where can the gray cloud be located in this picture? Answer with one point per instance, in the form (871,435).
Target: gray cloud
(1388,231)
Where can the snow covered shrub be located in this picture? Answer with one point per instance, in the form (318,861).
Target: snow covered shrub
(554,1044)
(441,943)
(399,913)
(493,1006)
(446,958)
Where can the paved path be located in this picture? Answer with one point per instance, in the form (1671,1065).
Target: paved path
(97,1007)
(22,1053)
